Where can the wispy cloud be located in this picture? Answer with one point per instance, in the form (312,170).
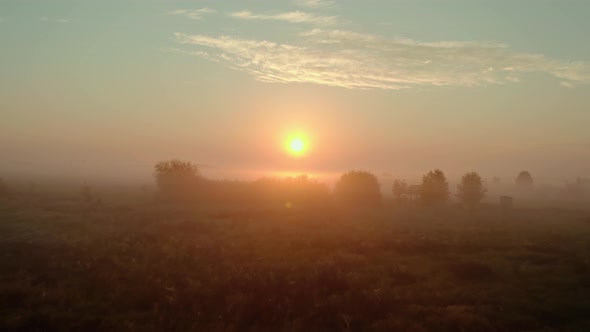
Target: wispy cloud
(193,14)
(363,61)
(185,52)
(315,4)
(567,84)
(292,17)
(1,20)
(58,20)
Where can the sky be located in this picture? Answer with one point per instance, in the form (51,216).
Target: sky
(398,87)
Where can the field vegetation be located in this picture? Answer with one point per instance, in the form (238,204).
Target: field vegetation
(289,258)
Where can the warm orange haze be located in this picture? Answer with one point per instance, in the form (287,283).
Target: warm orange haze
(294,165)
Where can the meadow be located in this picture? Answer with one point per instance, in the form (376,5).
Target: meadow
(133,263)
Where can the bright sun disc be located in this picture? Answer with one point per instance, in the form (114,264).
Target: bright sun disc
(297,146)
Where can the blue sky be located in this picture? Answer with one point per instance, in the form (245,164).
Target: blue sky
(397,86)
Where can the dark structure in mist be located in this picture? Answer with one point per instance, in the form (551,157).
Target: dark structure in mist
(470,190)
(404,194)
(435,188)
(182,181)
(524,180)
(358,187)
(177,179)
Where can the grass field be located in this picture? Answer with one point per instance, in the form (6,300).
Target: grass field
(66,265)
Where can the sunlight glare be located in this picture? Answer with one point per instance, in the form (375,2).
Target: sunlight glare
(297,145)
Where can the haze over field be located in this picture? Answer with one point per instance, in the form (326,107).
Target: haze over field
(294,165)
(107,88)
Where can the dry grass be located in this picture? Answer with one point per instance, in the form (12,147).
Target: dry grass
(67,265)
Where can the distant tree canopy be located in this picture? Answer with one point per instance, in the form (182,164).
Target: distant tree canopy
(524,180)
(358,188)
(177,178)
(471,190)
(435,188)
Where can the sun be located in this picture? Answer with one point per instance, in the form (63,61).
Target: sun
(297,145)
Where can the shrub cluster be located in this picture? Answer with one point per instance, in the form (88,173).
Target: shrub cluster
(182,180)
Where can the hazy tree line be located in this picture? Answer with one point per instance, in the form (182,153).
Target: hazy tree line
(182,180)
(179,180)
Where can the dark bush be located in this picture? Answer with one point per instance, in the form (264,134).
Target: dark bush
(524,180)
(358,188)
(471,191)
(177,179)
(434,189)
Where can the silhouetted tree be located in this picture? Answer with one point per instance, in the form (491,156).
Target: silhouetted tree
(400,190)
(471,190)
(358,187)
(524,180)
(177,178)
(434,188)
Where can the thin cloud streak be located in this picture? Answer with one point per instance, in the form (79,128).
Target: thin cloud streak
(315,4)
(193,14)
(363,61)
(58,20)
(567,84)
(196,53)
(291,17)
